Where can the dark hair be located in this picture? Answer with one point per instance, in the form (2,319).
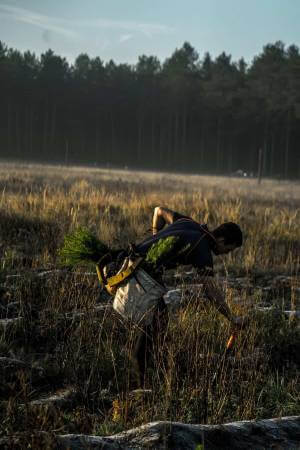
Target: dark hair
(231,233)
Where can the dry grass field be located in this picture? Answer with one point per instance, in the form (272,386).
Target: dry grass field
(57,336)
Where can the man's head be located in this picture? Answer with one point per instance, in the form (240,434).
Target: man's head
(228,236)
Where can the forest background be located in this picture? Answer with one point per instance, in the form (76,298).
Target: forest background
(203,115)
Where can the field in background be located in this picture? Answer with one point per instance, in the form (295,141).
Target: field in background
(89,354)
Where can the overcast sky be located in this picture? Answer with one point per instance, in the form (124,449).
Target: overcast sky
(124,29)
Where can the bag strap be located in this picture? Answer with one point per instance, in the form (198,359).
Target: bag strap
(190,250)
(112,283)
(119,277)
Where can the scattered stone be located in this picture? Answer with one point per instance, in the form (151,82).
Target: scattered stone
(140,392)
(194,288)
(242,280)
(13,306)
(180,297)
(264,305)
(290,314)
(180,274)
(48,273)
(3,311)
(185,276)
(173,300)
(99,310)
(77,315)
(9,325)
(242,301)
(10,366)
(5,294)
(61,398)
(13,277)
(10,311)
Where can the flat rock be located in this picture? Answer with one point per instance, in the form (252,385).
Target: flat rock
(281,433)
(61,398)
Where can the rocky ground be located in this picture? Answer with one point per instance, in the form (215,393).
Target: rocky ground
(23,362)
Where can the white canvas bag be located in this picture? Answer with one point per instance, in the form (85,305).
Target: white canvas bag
(137,298)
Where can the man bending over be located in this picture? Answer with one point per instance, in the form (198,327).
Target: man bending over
(195,246)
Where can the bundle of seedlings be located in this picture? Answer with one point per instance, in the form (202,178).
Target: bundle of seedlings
(82,247)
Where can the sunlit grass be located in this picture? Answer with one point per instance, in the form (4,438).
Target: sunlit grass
(40,205)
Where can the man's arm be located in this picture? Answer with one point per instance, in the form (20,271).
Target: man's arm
(217,298)
(215,295)
(163,216)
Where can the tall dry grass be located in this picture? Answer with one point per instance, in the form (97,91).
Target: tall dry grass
(39,205)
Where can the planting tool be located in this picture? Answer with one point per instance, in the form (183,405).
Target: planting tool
(230,342)
(228,350)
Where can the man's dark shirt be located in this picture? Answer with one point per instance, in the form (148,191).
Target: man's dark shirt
(189,232)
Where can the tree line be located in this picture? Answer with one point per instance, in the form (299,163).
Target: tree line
(205,115)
